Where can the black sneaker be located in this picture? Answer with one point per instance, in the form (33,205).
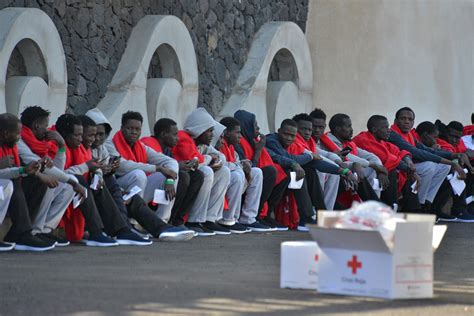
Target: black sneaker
(60,242)
(237,228)
(200,230)
(29,242)
(100,240)
(218,229)
(270,222)
(464,217)
(176,234)
(129,238)
(259,227)
(6,246)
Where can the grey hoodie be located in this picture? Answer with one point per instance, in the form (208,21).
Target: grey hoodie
(100,153)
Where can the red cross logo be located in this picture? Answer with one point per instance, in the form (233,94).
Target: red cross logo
(316,257)
(354,264)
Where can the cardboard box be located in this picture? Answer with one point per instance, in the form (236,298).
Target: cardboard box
(360,262)
(298,269)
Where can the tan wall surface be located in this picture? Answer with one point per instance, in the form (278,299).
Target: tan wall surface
(374,56)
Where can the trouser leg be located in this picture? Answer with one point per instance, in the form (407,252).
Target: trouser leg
(251,199)
(277,194)
(269,179)
(366,192)
(196,180)
(303,200)
(425,171)
(234,192)
(133,178)
(198,211)
(139,210)
(18,212)
(389,195)
(109,212)
(441,171)
(117,195)
(216,199)
(89,210)
(157,181)
(63,195)
(330,186)
(34,190)
(314,188)
(7,186)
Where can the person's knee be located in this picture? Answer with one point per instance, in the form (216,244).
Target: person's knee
(208,174)
(184,179)
(257,174)
(139,177)
(197,178)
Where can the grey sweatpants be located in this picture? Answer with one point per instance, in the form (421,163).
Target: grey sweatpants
(52,208)
(432,176)
(330,185)
(148,184)
(7,186)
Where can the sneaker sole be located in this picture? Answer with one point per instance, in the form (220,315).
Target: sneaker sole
(29,248)
(100,244)
(449,220)
(282,229)
(126,242)
(462,220)
(3,249)
(238,231)
(222,233)
(177,237)
(62,244)
(261,230)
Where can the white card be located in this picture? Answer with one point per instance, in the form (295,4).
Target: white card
(2,195)
(133,191)
(470,199)
(457,184)
(295,185)
(413,187)
(76,201)
(160,197)
(376,185)
(95,182)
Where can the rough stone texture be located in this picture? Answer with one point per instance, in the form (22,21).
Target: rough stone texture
(95,32)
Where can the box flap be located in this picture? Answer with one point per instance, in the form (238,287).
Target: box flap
(438,234)
(414,217)
(364,240)
(413,236)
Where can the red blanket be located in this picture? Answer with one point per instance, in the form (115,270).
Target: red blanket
(228,151)
(39,147)
(408,137)
(13,151)
(468,130)
(186,148)
(307,144)
(332,147)
(459,148)
(153,143)
(137,153)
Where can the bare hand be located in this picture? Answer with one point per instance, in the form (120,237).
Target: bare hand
(316,156)
(261,143)
(357,168)
(93,165)
(32,168)
(458,168)
(300,173)
(170,191)
(167,172)
(384,182)
(7,162)
(79,189)
(416,177)
(55,136)
(47,162)
(186,165)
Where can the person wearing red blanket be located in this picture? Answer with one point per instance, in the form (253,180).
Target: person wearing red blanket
(328,180)
(38,142)
(142,166)
(165,137)
(275,179)
(431,164)
(396,161)
(244,213)
(19,236)
(98,208)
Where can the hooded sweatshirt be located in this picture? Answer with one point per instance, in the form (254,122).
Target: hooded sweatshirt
(101,153)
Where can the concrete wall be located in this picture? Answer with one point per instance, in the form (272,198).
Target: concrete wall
(374,56)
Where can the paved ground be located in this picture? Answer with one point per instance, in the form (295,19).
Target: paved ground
(228,275)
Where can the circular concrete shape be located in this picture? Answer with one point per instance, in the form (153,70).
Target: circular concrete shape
(22,92)
(282,100)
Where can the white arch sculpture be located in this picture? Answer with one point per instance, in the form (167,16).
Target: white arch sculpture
(252,89)
(37,39)
(129,86)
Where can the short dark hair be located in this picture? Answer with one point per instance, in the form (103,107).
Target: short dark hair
(406,108)
(163,125)
(302,117)
(337,120)
(472,118)
(374,119)
(31,114)
(86,121)
(8,122)
(426,127)
(318,114)
(456,126)
(65,124)
(288,122)
(131,115)
(230,122)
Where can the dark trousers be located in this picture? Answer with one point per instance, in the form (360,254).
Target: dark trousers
(186,192)
(276,195)
(304,202)
(445,192)
(314,188)
(390,195)
(269,178)
(136,208)
(18,212)
(409,202)
(366,192)
(101,212)
(34,191)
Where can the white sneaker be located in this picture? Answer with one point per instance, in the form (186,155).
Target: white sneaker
(302,228)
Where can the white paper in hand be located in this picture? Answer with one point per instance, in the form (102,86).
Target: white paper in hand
(294,184)
(77,200)
(376,185)
(135,190)
(95,182)
(470,199)
(413,187)
(2,195)
(457,184)
(160,197)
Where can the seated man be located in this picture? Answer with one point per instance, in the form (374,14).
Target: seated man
(366,165)
(98,208)
(275,180)
(7,189)
(428,134)
(397,162)
(165,137)
(329,181)
(142,166)
(278,145)
(432,165)
(38,142)
(19,234)
(135,207)
(209,204)
(245,210)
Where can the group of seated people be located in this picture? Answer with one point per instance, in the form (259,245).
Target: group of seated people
(80,181)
